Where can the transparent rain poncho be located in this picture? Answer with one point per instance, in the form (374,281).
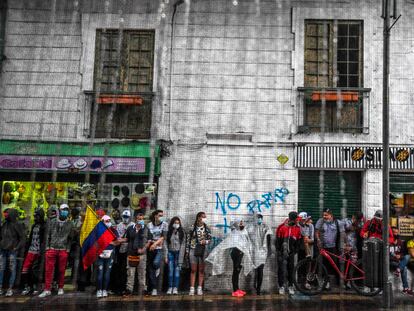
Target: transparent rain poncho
(258,235)
(220,255)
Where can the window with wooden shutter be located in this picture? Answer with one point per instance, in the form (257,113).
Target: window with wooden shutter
(124,65)
(333,74)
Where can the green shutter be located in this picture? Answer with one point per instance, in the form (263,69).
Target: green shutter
(403,183)
(309,192)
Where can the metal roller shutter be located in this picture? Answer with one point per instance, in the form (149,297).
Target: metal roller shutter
(402,183)
(309,192)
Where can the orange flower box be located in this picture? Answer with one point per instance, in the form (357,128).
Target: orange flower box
(335,96)
(120,99)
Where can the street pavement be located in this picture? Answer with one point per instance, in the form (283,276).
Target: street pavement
(75,301)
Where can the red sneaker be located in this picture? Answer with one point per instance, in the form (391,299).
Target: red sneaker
(241,292)
(408,291)
(237,294)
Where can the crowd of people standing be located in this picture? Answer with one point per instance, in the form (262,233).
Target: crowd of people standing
(133,262)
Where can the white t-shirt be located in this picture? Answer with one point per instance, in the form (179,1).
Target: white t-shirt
(158,231)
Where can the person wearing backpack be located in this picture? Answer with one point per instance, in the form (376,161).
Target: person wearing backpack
(330,235)
(199,236)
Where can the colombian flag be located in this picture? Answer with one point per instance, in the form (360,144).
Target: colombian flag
(94,237)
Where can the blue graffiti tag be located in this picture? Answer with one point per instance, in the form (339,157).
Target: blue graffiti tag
(232,201)
(224,226)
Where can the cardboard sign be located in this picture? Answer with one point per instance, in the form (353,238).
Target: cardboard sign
(406,226)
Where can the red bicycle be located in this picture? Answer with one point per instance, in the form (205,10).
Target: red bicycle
(311,276)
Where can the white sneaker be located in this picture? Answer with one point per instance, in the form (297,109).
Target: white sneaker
(26,291)
(9,292)
(281,290)
(291,290)
(45,293)
(169,291)
(191,293)
(98,294)
(154,292)
(328,286)
(199,291)
(175,291)
(60,292)
(104,293)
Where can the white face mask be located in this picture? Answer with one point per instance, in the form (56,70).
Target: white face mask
(204,220)
(176,226)
(108,224)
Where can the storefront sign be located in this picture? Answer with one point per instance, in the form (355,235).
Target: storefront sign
(352,157)
(79,164)
(406,226)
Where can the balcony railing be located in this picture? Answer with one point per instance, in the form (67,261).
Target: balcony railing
(333,110)
(118,115)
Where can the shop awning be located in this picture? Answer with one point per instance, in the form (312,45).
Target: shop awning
(57,151)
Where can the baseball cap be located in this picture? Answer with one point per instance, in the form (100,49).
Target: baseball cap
(105,218)
(126,213)
(378,214)
(64,206)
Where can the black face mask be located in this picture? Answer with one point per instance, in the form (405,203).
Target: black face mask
(241,227)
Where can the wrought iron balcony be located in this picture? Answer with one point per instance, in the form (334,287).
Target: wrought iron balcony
(118,115)
(333,110)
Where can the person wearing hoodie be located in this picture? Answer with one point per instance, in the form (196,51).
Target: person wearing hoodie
(288,238)
(11,240)
(31,271)
(58,241)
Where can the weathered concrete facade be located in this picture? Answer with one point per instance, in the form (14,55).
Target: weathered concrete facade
(226,77)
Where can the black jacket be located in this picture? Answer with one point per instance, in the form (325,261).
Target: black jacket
(136,239)
(12,235)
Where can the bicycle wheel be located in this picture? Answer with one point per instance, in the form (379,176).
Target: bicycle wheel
(310,276)
(358,284)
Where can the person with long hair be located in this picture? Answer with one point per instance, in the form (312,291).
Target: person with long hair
(158,229)
(198,238)
(175,251)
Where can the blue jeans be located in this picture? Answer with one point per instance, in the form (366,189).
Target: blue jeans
(10,256)
(154,263)
(173,269)
(403,270)
(104,272)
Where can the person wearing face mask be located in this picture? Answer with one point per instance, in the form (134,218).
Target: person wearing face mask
(198,238)
(119,269)
(238,245)
(105,261)
(260,237)
(58,236)
(158,228)
(174,251)
(30,275)
(12,239)
(288,238)
(330,235)
(137,237)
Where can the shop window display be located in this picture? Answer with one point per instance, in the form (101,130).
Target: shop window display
(26,197)
(402,212)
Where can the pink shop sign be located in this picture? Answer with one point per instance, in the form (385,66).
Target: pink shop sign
(93,164)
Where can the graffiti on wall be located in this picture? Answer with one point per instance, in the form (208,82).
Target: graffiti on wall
(226,203)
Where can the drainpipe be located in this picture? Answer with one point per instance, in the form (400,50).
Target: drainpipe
(176,4)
